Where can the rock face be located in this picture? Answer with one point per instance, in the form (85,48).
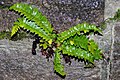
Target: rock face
(65,13)
(113,68)
(115,64)
(17,62)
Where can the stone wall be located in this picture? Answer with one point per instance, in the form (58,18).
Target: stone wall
(17,62)
(115,54)
(113,68)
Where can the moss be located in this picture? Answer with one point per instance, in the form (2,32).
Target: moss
(7,35)
(103,26)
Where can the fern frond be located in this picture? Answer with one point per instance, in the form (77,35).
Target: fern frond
(29,25)
(58,67)
(15,28)
(85,27)
(78,41)
(81,41)
(94,50)
(84,44)
(77,52)
(33,14)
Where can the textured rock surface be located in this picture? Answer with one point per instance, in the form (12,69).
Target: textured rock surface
(115,58)
(113,68)
(17,62)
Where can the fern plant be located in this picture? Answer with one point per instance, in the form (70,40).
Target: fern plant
(73,42)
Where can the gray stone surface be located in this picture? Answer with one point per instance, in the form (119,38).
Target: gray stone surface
(17,62)
(113,67)
(115,59)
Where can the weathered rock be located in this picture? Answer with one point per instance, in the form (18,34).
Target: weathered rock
(113,68)
(65,13)
(115,58)
(7,19)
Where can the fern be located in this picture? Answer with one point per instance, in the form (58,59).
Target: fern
(58,67)
(29,25)
(78,41)
(87,50)
(94,50)
(33,14)
(15,28)
(85,27)
(72,42)
(77,52)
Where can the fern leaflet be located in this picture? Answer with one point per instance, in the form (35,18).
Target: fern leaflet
(29,25)
(14,29)
(76,29)
(94,50)
(78,41)
(33,14)
(77,52)
(58,67)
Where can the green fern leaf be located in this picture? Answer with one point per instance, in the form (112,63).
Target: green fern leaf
(81,41)
(78,41)
(93,48)
(32,13)
(92,45)
(77,52)
(58,67)
(29,25)
(85,27)
(86,46)
(14,29)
